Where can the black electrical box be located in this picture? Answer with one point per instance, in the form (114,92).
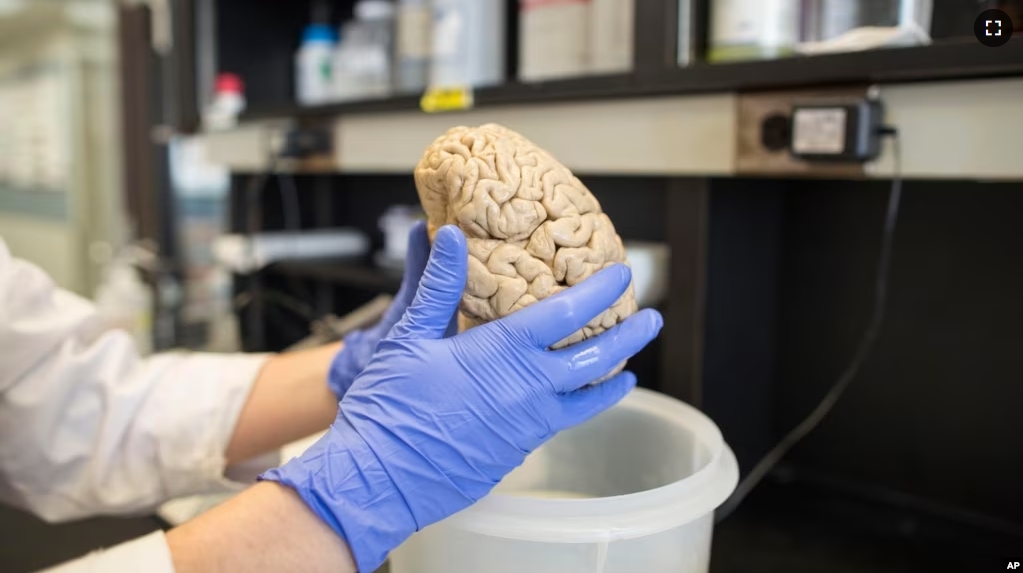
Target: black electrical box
(848,131)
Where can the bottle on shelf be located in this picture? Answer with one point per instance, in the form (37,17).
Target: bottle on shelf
(363,58)
(468,43)
(412,46)
(314,65)
(228,103)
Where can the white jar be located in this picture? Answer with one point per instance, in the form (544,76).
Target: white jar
(314,65)
(638,486)
(468,43)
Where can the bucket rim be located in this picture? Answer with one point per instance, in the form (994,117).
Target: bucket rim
(605,519)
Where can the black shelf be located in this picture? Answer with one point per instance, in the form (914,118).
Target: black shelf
(947,60)
(359,273)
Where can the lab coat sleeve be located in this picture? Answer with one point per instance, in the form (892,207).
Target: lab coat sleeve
(150,554)
(88,427)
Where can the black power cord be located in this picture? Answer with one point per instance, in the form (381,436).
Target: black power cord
(771,458)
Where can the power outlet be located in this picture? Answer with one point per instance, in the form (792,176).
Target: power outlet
(765,133)
(306,143)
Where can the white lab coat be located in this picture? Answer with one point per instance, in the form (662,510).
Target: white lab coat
(87,427)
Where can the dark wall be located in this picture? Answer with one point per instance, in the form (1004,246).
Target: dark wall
(934,412)
(744,249)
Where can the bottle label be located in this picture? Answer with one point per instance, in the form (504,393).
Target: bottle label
(446,99)
(414,23)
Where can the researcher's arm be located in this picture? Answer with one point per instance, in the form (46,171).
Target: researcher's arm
(267,528)
(88,427)
(289,400)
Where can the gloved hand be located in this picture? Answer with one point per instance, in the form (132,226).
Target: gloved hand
(433,424)
(359,346)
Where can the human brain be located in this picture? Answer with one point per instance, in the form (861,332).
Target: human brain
(532,228)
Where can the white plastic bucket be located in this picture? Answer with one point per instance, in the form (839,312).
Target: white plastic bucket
(652,470)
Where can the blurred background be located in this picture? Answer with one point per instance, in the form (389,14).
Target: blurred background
(237,175)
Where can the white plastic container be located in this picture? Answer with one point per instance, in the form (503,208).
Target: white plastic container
(412,46)
(553,38)
(468,43)
(654,470)
(314,65)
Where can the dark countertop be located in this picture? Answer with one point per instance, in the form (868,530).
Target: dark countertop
(799,528)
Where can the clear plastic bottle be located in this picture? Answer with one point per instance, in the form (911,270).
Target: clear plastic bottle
(363,59)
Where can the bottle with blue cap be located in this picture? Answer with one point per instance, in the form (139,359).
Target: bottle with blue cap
(314,65)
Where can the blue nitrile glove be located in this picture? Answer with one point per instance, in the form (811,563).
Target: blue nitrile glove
(359,346)
(433,424)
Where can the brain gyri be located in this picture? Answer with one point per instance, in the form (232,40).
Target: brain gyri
(532,228)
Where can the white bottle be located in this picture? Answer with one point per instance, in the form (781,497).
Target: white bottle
(611,36)
(553,38)
(314,65)
(228,102)
(468,43)
(412,45)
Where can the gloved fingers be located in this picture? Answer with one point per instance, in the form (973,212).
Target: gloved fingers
(440,289)
(452,326)
(593,358)
(415,264)
(585,403)
(558,316)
